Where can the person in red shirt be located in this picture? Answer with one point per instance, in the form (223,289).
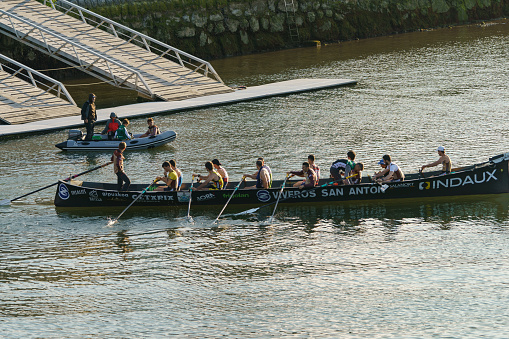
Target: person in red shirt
(111,126)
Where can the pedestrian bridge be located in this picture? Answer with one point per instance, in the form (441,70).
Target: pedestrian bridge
(108,50)
(27,95)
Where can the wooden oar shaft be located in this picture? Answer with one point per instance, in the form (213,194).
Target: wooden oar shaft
(252,210)
(230,198)
(278,197)
(139,195)
(66,179)
(190,192)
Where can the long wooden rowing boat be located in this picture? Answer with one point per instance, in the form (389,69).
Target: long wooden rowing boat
(491,177)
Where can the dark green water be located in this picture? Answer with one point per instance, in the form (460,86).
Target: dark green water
(401,269)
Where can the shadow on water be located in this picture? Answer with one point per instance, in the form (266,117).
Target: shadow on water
(442,211)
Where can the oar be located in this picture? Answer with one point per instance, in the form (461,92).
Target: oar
(230,198)
(7,201)
(189,206)
(279,196)
(111,222)
(252,210)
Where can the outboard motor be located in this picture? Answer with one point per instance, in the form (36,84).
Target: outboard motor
(75,134)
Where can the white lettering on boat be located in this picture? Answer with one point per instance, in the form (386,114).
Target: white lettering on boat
(153,197)
(455,182)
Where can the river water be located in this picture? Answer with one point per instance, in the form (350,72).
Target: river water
(396,269)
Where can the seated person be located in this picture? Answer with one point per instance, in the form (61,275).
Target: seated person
(392,172)
(152,129)
(222,172)
(111,126)
(178,171)
(314,167)
(262,176)
(444,160)
(357,173)
(122,133)
(309,175)
(342,166)
(212,181)
(169,178)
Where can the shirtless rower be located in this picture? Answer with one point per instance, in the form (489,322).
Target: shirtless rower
(255,174)
(308,174)
(314,167)
(222,172)
(444,160)
(392,172)
(173,165)
(262,176)
(212,181)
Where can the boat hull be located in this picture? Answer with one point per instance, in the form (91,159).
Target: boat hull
(487,178)
(110,145)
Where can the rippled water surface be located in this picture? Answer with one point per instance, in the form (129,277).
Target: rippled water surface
(405,269)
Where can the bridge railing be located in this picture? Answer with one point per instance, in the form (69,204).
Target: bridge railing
(72,52)
(37,79)
(150,44)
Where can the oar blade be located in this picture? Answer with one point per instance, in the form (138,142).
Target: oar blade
(5,202)
(250,211)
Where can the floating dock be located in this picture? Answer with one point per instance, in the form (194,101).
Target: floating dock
(154,108)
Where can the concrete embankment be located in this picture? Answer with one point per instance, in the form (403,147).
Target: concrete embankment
(218,28)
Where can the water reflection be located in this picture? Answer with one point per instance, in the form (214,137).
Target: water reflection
(442,211)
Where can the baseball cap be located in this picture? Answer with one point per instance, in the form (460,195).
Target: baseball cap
(441,148)
(381,162)
(113,115)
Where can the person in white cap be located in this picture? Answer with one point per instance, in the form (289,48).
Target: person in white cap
(444,160)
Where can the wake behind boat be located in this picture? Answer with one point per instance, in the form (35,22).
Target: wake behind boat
(485,178)
(101,143)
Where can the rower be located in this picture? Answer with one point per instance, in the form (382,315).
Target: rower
(444,160)
(357,173)
(262,176)
(308,173)
(343,166)
(213,179)
(169,177)
(222,172)
(255,175)
(314,167)
(173,165)
(392,172)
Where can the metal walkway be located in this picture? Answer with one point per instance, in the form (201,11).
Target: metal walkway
(27,95)
(108,50)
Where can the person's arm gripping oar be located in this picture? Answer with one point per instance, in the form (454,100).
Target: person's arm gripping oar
(111,222)
(189,205)
(279,196)
(7,201)
(230,198)
(252,210)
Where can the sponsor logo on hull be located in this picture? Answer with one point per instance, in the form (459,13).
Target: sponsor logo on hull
(457,182)
(63,192)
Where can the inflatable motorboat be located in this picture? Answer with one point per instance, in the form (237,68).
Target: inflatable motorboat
(99,142)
